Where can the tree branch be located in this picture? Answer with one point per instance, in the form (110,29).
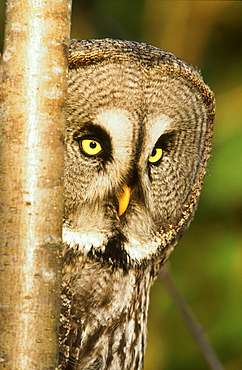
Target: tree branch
(193,325)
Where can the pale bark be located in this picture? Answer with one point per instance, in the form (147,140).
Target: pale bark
(33,87)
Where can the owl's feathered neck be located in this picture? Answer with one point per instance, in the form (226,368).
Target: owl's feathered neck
(104,315)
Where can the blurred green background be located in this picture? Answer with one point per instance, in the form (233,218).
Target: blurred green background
(206,264)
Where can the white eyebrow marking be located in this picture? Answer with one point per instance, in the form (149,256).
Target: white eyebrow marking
(120,127)
(156,127)
(159,126)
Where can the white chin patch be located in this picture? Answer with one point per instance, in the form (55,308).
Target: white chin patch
(96,241)
(83,242)
(138,251)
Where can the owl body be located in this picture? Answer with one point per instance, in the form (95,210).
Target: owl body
(107,317)
(139,127)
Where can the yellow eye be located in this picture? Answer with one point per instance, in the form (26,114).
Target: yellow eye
(91,147)
(156,155)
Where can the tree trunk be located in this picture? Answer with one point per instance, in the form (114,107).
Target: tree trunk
(33,86)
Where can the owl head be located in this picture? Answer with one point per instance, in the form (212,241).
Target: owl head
(138,135)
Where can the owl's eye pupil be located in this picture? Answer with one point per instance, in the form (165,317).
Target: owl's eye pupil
(93,144)
(153,152)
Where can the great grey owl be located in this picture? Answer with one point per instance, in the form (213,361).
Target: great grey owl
(139,129)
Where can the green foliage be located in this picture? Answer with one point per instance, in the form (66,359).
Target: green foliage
(206,264)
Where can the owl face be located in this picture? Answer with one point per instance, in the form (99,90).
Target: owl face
(137,142)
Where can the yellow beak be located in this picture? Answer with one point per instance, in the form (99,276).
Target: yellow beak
(123,200)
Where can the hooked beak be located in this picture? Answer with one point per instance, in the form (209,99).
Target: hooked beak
(123,200)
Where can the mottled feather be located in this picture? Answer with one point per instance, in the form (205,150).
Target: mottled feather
(137,103)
